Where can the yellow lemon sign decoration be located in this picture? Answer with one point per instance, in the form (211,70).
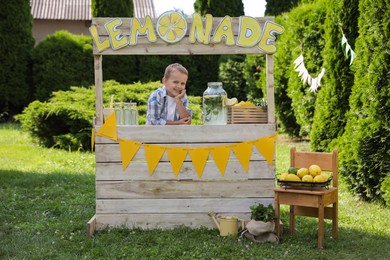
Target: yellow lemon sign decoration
(171,26)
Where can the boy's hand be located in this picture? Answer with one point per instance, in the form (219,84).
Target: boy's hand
(181,95)
(185,120)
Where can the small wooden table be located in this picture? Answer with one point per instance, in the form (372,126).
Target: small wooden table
(308,203)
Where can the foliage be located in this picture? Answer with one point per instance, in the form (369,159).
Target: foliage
(219,8)
(277,7)
(332,99)
(365,153)
(106,8)
(304,36)
(65,120)
(254,75)
(262,213)
(62,122)
(60,61)
(16,45)
(47,197)
(385,189)
(231,75)
(208,66)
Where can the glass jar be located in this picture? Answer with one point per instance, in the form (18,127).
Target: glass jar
(134,113)
(214,104)
(118,113)
(126,114)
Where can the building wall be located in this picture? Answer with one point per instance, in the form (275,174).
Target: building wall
(43,28)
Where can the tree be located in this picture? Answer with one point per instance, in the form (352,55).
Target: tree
(333,98)
(16,45)
(109,8)
(277,7)
(305,36)
(208,65)
(123,69)
(365,145)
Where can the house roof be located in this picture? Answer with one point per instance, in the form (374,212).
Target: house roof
(80,10)
(61,9)
(142,8)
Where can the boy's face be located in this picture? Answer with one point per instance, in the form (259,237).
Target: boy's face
(175,83)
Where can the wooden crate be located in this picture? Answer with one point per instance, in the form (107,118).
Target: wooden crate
(247,115)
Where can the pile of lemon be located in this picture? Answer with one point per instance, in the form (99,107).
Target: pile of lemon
(311,174)
(234,102)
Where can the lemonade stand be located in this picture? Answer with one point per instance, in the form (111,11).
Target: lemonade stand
(169,176)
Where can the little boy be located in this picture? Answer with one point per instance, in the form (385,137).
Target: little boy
(168,105)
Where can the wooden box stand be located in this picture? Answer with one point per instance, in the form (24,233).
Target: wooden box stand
(247,115)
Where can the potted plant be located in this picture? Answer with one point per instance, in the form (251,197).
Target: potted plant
(261,227)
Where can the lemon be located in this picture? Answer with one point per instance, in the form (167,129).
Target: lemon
(326,176)
(307,178)
(231,101)
(292,177)
(171,26)
(245,104)
(302,172)
(283,176)
(319,178)
(314,170)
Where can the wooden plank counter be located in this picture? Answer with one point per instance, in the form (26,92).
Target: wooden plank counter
(134,198)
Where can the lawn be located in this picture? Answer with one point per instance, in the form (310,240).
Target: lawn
(47,196)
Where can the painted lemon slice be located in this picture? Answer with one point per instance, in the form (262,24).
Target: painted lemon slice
(171,26)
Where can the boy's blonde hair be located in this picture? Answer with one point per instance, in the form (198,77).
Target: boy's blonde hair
(173,67)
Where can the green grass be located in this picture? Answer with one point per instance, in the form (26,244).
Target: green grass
(47,196)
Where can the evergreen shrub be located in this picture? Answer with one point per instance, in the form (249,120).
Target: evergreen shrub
(60,61)
(365,145)
(385,188)
(332,99)
(16,44)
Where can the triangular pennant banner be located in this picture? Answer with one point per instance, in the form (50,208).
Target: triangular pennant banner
(243,152)
(266,147)
(108,130)
(153,154)
(127,150)
(220,155)
(199,158)
(176,156)
(92,138)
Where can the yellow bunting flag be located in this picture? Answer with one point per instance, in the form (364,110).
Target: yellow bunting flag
(199,158)
(243,152)
(108,130)
(176,156)
(127,150)
(92,138)
(266,146)
(153,154)
(221,156)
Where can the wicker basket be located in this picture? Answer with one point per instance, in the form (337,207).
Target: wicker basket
(247,115)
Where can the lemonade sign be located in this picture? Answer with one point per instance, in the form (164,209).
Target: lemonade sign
(171,27)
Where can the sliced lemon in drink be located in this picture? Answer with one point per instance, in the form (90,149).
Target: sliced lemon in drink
(231,101)
(171,26)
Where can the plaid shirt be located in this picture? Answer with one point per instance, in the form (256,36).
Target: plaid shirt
(158,107)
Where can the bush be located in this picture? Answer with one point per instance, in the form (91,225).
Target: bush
(332,99)
(16,44)
(365,145)
(304,36)
(385,188)
(60,61)
(65,120)
(232,76)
